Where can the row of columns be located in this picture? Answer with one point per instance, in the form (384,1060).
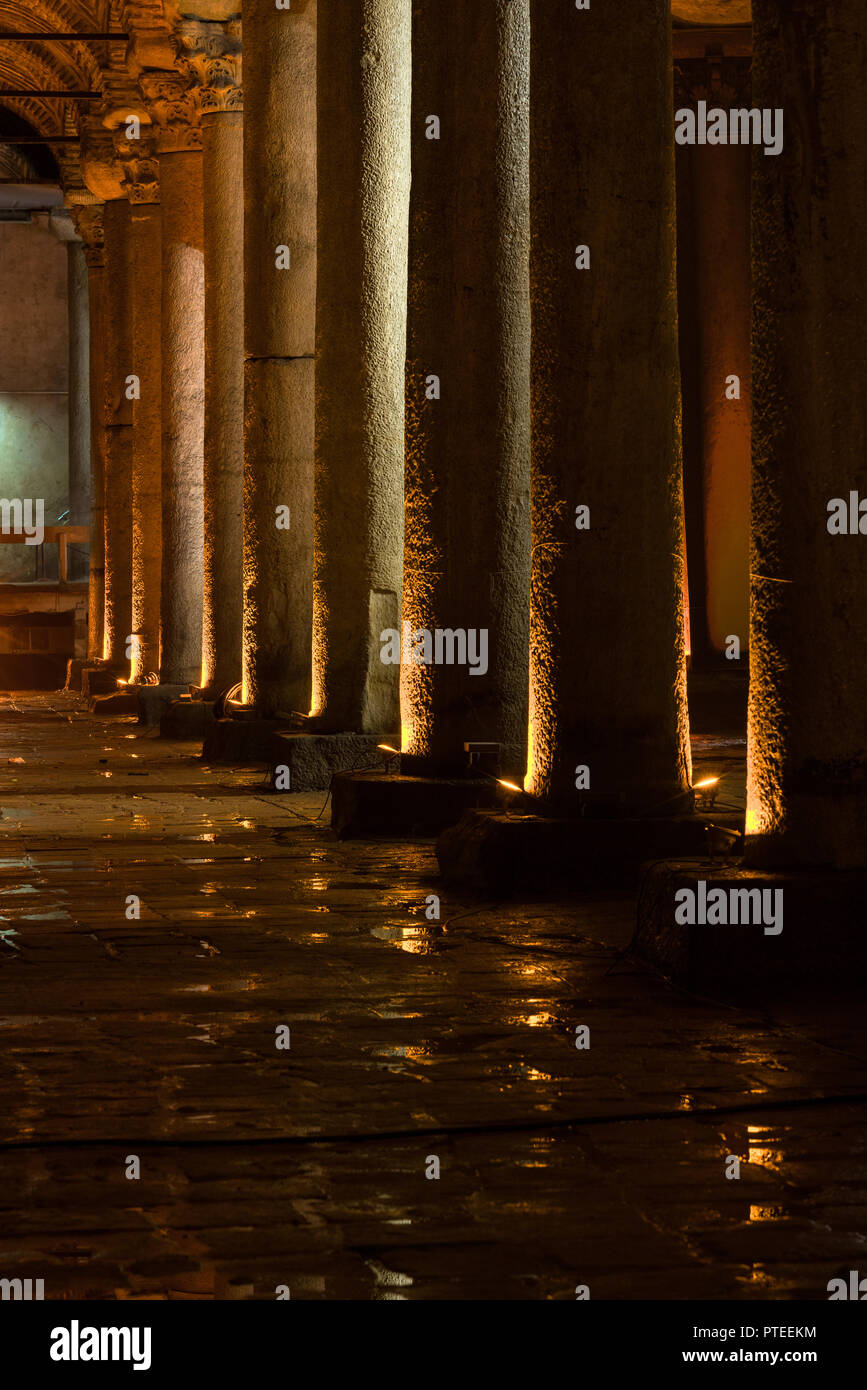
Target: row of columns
(502,327)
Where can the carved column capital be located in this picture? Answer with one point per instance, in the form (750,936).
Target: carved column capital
(140,179)
(210,54)
(88,222)
(717,78)
(176,106)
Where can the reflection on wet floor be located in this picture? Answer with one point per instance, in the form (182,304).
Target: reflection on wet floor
(151,1031)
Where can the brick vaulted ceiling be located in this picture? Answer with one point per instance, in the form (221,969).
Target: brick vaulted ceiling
(105,67)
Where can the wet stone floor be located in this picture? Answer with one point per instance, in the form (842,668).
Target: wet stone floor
(413,1044)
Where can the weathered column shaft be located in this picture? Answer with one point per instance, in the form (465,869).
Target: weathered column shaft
(279,331)
(721,203)
(608,676)
(364,89)
(78,307)
(146,248)
(223,136)
(807,737)
(88,220)
(96,587)
(117,417)
(466,568)
(183,413)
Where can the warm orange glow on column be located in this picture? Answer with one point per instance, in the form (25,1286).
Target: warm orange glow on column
(607,608)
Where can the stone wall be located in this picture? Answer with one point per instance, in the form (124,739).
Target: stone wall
(33,381)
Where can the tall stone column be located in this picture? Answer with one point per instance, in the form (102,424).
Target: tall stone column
(63,225)
(608,677)
(721,204)
(807,739)
(117,417)
(279,314)
(142,187)
(88,219)
(466,566)
(364,67)
(213,55)
(78,307)
(714,270)
(176,106)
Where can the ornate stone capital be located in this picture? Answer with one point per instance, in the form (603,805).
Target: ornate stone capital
(210,54)
(176,107)
(140,179)
(87,220)
(718,78)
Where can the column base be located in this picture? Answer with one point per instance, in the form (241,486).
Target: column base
(116,702)
(243,740)
(99,679)
(314,760)
(377,803)
(74,668)
(822,943)
(506,854)
(154,700)
(187,720)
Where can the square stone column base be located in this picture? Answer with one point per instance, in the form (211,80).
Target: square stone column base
(154,700)
(98,680)
(118,702)
(241,740)
(377,803)
(503,853)
(822,945)
(313,760)
(187,720)
(74,668)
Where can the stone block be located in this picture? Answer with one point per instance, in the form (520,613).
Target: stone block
(378,803)
(154,700)
(822,942)
(187,720)
(505,853)
(241,740)
(313,759)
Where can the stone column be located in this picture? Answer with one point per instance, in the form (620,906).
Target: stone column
(78,307)
(608,676)
(62,224)
(466,562)
(364,82)
(213,55)
(714,267)
(279,314)
(88,219)
(807,744)
(721,202)
(176,106)
(117,417)
(143,190)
